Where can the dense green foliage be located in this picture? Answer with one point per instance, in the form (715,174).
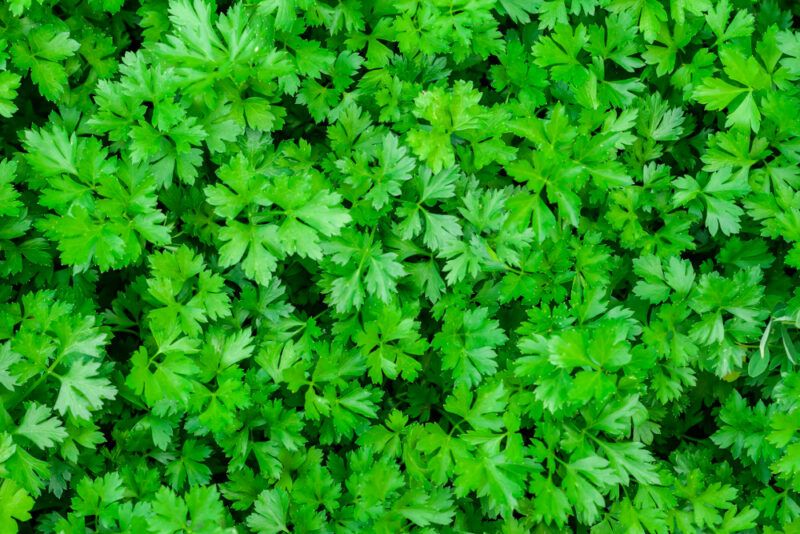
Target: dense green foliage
(382,266)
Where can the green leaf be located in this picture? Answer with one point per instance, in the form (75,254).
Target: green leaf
(491,476)
(7,359)
(631,460)
(38,426)
(717,94)
(257,244)
(42,53)
(15,506)
(424,510)
(484,413)
(82,391)
(391,344)
(170,377)
(381,276)
(270,515)
(97,497)
(468,341)
(9,84)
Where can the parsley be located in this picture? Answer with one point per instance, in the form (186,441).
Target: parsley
(470,266)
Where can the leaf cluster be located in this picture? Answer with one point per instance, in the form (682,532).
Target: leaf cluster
(324,266)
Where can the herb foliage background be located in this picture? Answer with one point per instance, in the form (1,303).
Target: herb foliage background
(399,266)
